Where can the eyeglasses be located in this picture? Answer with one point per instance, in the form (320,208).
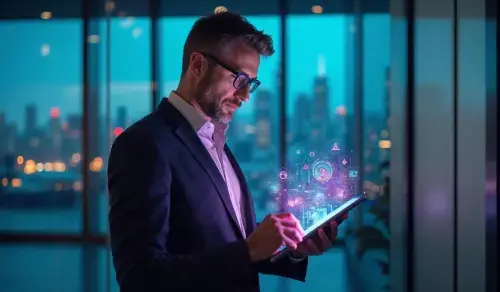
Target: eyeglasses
(241,79)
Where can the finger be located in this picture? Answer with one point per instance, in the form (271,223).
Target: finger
(284,215)
(293,223)
(333,231)
(311,246)
(302,249)
(325,241)
(293,234)
(299,226)
(289,243)
(342,218)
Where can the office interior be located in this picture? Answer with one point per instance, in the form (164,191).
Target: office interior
(407,87)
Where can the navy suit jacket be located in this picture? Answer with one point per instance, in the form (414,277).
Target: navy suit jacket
(172,225)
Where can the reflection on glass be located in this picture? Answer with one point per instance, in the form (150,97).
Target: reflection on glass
(41,126)
(370,244)
(129,88)
(318,108)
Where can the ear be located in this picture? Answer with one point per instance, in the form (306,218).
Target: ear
(197,64)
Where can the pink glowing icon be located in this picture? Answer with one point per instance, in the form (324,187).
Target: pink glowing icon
(295,202)
(283,175)
(335,147)
(311,154)
(306,167)
(344,162)
(323,173)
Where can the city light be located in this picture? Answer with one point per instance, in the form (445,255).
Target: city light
(110,6)
(93,39)
(220,9)
(384,144)
(75,158)
(30,167)
(117,131)
(45,50)
(16,182)
(77,186)
(341,110)
(96,164)
(54,112)
(317,9)
(46,15)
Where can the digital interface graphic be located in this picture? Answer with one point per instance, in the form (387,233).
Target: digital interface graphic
(318,185)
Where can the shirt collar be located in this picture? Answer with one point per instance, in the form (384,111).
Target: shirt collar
(194,118)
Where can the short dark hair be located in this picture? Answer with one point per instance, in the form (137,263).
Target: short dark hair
(215,31)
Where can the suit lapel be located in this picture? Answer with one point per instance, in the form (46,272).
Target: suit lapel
(190,139)
(245,191)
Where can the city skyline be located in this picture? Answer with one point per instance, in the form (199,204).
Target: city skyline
(52,66)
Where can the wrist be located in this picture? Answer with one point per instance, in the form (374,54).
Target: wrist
(251,250)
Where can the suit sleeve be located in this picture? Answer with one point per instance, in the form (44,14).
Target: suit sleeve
(288,267)
(139,180)
(285,267)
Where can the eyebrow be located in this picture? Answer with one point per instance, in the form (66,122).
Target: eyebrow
(228,67)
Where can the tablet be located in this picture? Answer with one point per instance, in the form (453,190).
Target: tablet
(323,222)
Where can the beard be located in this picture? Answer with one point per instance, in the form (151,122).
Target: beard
(213,103)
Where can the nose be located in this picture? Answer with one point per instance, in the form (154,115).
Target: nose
(243,93)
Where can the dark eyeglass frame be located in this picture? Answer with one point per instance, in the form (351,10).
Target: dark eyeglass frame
(253,83)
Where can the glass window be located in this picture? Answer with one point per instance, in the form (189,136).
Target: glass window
(41,126)
(373,255)
(376,86)
(318,106)
(125,95)
(22,271)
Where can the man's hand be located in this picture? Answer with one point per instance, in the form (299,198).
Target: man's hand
(318,244)
(271,233)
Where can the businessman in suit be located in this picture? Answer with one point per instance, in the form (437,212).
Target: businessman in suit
(181,215)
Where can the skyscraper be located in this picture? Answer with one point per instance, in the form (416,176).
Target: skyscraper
(320,118)
(121,117)
(31,120)
(302,116)
(262,116)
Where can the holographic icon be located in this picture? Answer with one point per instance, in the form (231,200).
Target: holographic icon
(322,170)
(321,182)
(343,161)
(283,175)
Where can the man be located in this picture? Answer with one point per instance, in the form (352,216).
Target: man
(181,215)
